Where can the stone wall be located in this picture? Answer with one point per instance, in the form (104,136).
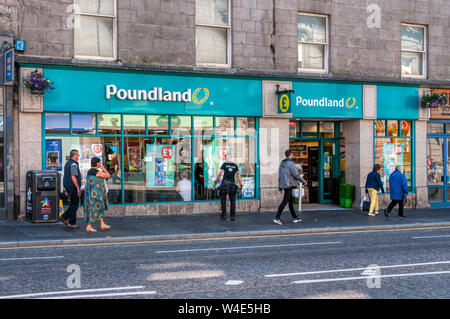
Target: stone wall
(263,33)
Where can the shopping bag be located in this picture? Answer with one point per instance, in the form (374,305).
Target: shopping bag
(296,193)
(365,204)
(60,208)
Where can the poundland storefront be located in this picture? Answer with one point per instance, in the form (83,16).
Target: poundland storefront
(162,136)
(340,129)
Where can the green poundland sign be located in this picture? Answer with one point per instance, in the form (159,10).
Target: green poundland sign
(319,99)
(139,92)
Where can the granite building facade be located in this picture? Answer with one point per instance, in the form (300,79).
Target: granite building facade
(375,59)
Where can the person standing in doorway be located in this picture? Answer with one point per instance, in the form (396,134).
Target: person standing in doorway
(373,185)
(398,188)
(288,178)
(228,187)
(72,184)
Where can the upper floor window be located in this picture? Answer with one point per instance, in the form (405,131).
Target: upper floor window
(95,29)
(413,50)
(212,32)
(312,42)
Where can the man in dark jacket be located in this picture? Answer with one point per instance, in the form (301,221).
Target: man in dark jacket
(288,178)
(398,188)
(72,184)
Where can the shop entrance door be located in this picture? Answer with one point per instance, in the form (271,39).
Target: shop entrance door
(326,163)
(317,160)
(438,169)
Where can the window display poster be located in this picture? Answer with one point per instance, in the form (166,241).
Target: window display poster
(87,152)
(160,166)
(53,155)
(213,158)
(248,187)
(393,155)
(134,157)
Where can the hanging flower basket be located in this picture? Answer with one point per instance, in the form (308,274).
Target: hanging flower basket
(433,100)
(37,84)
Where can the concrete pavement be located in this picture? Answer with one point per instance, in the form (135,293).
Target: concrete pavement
(198,226)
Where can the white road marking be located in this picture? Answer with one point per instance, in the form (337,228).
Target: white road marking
(245,247)
(118,294)
(356,269)
(369,272)
(69,292)
(365,277)
(233,282)
(31,258)
(424,237)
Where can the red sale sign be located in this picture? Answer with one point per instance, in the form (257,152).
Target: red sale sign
(222,152)
(97,149)
(398,149)
(167,152)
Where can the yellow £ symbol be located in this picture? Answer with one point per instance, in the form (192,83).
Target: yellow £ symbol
(284,103)
(347,103)
(194,96)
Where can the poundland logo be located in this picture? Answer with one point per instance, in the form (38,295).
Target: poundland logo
(199,96)
(325,102)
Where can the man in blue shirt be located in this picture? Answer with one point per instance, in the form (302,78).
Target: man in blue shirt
(398,188)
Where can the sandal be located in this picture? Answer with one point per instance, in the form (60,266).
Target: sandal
(106,227)
(91,230)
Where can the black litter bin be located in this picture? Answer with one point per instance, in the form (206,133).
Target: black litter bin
(42,203)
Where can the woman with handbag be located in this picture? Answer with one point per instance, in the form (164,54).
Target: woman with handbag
(373,185)
(96,201)
(228,187)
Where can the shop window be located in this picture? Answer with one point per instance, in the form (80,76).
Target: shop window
(390,152)
(211,153)
(435,161)
(109,124)
(435,194)
(57,123)
(435,128)
(393,128)
(158,124)
(106,148)
(224,126)
(154,168)
(380,128)
(294,129)
(309,129)
(405,128)
(83,123)
(181,125)
(134,124)
(245,126)
(326,129)
(203,125)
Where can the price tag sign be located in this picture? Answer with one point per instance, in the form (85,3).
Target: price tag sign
(398,149)
(167,152)
(222,153)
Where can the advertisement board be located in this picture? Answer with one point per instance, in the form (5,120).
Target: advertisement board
(160,165)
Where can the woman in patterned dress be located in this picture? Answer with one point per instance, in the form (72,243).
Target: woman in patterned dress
(96,201)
